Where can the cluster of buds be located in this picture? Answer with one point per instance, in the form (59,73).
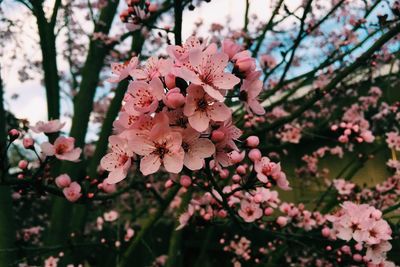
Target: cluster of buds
(349,131)
(136,13)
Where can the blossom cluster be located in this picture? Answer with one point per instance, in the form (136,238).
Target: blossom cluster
(365,226)
(174,113)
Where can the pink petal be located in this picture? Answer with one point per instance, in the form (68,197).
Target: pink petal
(203,148)
(187,75)
(173,162)
(47,149)
(157,88)
(110,161)
(150,164)
(214,93)
(219,112)
(192,161)
(141,146)
(225,81)
(138,74)
(256,107)
(70,156)
(199,121)
(116,176)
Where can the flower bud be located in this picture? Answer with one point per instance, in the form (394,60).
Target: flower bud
(13,134)
(185,181)
(174,99)
(63,181)
(217,136)
(23,164)
(252,141)
(28,142)
(170,81)
(169,183)
(255,154)
(268,211)
(281,221)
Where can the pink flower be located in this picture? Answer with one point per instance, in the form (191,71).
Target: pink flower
(230,134)
(181,53)
(161,146)
(154,68)
(343,187)
(376,254)
(72,192)
(144,96)
(207,70)
(122,70)
(250,211)
(174,99)
(63,180)
(267,169)
(51,262)
(244,62)
(196,149)
(47,127)
(393,140)
(377,231)
(110,216)
(63,149)
(200,109)
(230,48)
(118,161)
(249,92)
(267,61)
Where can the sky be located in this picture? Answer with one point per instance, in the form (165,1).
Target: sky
(31,103)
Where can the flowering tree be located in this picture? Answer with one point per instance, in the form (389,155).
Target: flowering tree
(273,144)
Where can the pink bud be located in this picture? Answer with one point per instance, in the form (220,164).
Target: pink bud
(328,248)
(63,181)
(245,64)
(252,141)
(268,211)
(343,139)
(174,99)
(241,170)
(357,257)
(222,213)
(22,164)
(108,188)
(281,221)
(334,127)
(255,154)
(258,198)
(170,81)
(20,176)
(28,142)
(376,214)
(236,178)
(345,249)
(13,134)
(358,246)
(347,132)
(185,181)
(217,136)
(169,183)
(326,232)
(235,157)
(207,216)
(153,8)
(224,173)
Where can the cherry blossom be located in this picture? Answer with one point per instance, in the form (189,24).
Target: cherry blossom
(47,127)
(63,149)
